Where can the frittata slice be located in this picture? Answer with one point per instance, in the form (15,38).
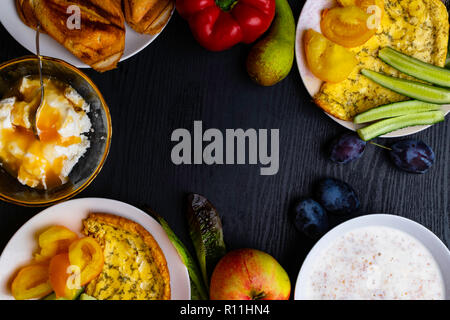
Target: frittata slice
(135,267)
(418,28)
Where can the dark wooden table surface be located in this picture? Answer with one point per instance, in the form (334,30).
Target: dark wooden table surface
(174,82)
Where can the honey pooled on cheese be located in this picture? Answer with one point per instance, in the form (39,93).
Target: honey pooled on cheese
(47,161)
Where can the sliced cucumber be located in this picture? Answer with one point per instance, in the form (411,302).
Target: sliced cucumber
(388,125)
(52,296)
(414,67)
(394,110)
(85,296)
(412,89)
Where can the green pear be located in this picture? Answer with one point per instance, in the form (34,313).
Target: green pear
(271,58)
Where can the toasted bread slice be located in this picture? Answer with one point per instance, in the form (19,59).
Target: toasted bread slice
(135,267)
(26,13)
(160,22)
(148,16)
(99,42)
(137,9)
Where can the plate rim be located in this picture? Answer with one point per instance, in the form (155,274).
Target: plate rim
(103,202)
(375,219)
(299,56)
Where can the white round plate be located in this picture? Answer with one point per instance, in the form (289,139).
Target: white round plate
(134,42)
(19,250)
(310,19)
(435,246)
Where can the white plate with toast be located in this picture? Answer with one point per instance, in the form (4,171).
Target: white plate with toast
(20,248)
(310,19)
(10,19)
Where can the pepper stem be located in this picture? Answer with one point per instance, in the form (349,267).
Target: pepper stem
(226,5)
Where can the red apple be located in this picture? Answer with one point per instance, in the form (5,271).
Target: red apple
(248,274)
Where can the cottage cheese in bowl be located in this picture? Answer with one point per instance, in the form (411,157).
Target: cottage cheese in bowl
(373,262)
(63,123)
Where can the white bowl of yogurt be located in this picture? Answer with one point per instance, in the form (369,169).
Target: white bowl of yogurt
(376,257)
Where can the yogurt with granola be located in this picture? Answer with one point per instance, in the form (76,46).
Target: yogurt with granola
(376,263)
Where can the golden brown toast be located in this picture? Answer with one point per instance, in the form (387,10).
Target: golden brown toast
(99,42)
(148,16)
(26,13)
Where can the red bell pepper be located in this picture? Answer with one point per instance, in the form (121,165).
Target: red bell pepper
(220,24)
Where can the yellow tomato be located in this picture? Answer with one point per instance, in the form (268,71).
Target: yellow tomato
(31,282)
(364,4)
(327,60)
(62,279)
(375,8)
(87,254)
(347,26)
(54,240)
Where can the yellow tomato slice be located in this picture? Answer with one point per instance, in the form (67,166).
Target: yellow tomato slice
(347,26)
(87,254)
(62,279)
(54,240)
(31,282)
(363,4)
(327,60)
(375,8)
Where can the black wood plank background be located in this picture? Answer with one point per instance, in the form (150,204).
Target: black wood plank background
(174,82)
